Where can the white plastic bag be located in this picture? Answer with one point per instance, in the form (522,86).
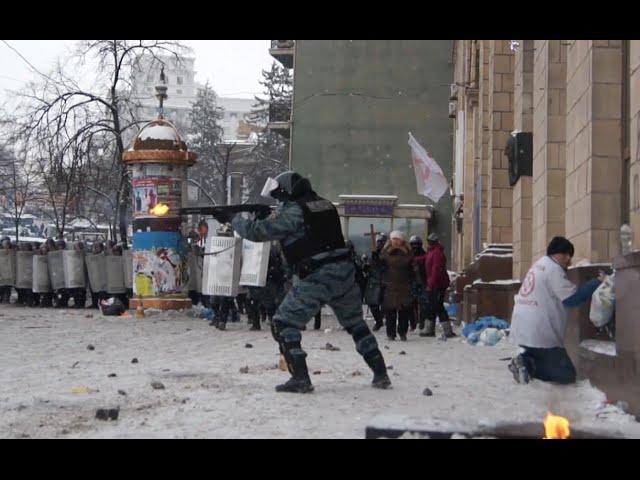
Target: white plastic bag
(603,302)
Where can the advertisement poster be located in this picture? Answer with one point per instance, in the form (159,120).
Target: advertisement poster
(151,191)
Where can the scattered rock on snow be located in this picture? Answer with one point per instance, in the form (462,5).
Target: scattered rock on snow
(427,392)
(135,360)
(112,375)
(108,413)
(402,353)
(331,348)
(356,373)
(317,372)
(244,369)
(88,316)
(387,347)
(248,345)
(157,385)
(122,392)
(389,367)
(90,347)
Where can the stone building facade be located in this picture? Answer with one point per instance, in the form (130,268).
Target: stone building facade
(580,99)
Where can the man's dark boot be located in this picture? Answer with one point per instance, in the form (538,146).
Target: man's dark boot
(448,331)
(375,360)
(254,318)
(317,321)
(300,381)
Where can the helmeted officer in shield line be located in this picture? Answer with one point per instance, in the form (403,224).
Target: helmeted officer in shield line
(308,228)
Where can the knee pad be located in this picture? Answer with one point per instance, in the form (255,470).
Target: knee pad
(359,331)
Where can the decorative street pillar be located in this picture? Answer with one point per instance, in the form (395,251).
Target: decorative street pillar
(158,163)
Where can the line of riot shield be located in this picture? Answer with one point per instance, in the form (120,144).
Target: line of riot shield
(24,270)
(97,268)
(127,258)
(73,266)
(41,280)
(115,275)
(7,267)
(56,269)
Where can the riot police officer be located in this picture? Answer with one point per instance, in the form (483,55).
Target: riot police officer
(310,234)
(420,300)
(374,292)
(62,294)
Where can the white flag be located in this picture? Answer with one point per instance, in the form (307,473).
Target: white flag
(430,179)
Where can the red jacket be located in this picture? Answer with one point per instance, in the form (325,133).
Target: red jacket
(435,264)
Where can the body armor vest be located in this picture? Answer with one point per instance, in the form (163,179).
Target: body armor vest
(323,232)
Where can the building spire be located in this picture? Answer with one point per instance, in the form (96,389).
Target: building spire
(161,92)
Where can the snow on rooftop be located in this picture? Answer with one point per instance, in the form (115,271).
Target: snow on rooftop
(587,263)
(494,255)
(373,197)
(157,132)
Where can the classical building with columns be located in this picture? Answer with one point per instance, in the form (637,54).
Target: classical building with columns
(580,100)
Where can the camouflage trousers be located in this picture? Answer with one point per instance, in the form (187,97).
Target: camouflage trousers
(334,285)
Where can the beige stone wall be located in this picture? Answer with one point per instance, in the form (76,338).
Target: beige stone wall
(523,120)
(485,132)
(593,150)
(634,201)
(549,134)
(500,121)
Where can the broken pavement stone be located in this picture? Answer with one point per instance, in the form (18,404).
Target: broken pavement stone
(122,392)
(317,372)
(244,369)
(427,392)
(157,385)
(389,367)
(90,347)
(108,413)
(248,345)
(402,353)
(331,348)
(387,347)
(112,375)
(135,360)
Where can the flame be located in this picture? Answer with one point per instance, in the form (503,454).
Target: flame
(160,209)
(556,427)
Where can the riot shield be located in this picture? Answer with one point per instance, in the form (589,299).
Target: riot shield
(41,281)
(127,256)
(192,263)
(199,264)
(97,271)
(24,270)
(115,274)
(255,263)
(221,272)
(7,267)
(56,269)
(73,263)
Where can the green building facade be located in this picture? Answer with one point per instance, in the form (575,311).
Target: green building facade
(354,103)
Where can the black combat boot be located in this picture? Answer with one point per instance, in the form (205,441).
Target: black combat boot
(375,360)
(300,381)
(448,331)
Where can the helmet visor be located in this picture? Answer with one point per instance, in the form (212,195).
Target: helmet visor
(269,186)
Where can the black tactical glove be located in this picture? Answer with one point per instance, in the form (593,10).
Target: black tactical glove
(263,212)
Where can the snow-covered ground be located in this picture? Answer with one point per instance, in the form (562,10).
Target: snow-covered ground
(51,384)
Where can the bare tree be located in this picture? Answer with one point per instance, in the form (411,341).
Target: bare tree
(16,184)
(106,109)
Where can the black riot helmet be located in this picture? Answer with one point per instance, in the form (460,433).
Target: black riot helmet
(287,185)
(415,240)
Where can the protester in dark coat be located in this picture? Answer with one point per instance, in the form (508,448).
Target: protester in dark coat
(400,272)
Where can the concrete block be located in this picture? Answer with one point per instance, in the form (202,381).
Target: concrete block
(607,65)
(607,137)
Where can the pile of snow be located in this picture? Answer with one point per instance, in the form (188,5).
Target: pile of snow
(603,347)
(497,282)
(587,263)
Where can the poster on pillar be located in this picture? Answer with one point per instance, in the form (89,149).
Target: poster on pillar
(148,192)
(159,264)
